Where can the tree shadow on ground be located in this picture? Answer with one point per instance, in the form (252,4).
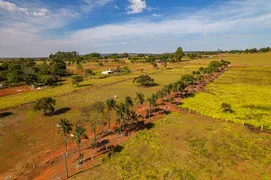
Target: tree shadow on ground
(60,111)
(5,114)
(149,125)
(85,170)
(252,106)
(85,85)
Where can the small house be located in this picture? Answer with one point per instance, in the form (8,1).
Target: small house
(109,71)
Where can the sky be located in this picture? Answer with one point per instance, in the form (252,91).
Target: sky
(37,28)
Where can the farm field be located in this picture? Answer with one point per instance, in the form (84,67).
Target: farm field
(27,132)
(26,137)
(90,82)
(246,89)
(183,146)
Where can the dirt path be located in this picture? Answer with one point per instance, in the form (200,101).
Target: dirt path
(14,90)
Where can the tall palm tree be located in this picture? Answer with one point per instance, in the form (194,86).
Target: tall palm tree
(129,102)
(140,98)
(97,117)
(120,112)
(111,105)
(65,127)
(152,103)
(79,134)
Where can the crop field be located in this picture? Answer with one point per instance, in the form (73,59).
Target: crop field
(247,90)
(181,146)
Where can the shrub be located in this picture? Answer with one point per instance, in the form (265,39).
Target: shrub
(226,107)
(89,72)
(77,79)
(46,104)
(144,80)
(48,79)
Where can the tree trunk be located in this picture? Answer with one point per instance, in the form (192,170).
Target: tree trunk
(79,151)
(150,111)
(94,130)
(65,158)
(109,121)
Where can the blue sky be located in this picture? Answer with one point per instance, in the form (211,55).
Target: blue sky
(31,28)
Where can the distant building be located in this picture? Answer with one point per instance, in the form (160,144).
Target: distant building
(109,71)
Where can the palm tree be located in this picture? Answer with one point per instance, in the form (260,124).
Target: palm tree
(140,98)
(65,127)
(135,117)
(120,112)
(79,134)
(129,102)
(152,102)
(97,109)
(110,104)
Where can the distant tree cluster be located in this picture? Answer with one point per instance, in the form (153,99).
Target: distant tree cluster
(28,71)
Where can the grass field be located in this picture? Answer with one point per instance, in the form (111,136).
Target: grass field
(25,134)
(188,147)
(248,90)
(67,87)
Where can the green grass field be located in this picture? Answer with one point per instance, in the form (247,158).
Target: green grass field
(25,133)
(247,90)
(188,147)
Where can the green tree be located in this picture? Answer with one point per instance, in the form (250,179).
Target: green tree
(120,113)
(46,104)
(65,128)
(96,118)
(140,98)
(77,79)
(179,54)
(79,134)
(152,103)
(129,102)
(110,104)
(144,80)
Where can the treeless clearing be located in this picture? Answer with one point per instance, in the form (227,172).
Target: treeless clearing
(14,90)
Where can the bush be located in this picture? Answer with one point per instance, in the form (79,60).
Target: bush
(89,72)
(46,104)
(144,80)
(77,79)
(226,107)
(48,79)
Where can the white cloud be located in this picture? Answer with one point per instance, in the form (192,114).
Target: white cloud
(41,12)
(136,6)
(156,15)
(246,22)
(116,7)
(88,5)
(11,7)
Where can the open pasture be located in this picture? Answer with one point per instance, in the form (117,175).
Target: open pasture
(247,90)
(27,132)
(182,146)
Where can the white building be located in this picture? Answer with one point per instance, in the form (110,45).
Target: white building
(109,71)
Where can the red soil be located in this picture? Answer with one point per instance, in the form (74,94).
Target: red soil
(14,90)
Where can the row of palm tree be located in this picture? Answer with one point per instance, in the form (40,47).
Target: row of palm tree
(65,128)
